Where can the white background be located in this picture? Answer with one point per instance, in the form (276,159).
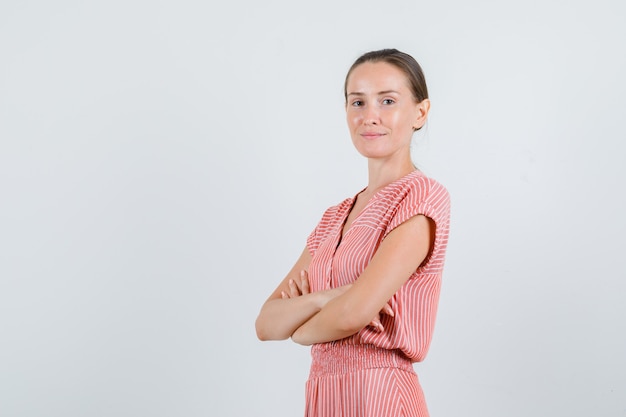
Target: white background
(161,164)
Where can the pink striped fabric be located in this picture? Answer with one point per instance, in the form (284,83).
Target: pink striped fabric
(371,373)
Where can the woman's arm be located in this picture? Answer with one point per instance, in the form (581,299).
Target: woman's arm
(398,256)
(281,315)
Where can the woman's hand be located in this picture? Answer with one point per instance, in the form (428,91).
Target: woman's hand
(376,322)
(301,286)
(297,287)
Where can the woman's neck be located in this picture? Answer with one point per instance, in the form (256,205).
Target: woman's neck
(383,173)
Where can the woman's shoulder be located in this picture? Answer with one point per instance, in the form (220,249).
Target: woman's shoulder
(331,220)
(335,212)
(416,186)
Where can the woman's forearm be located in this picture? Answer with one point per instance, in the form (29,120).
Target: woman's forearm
(318,330)
(336,320)
(280,317)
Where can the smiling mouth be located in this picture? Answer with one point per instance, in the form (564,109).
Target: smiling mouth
(372,135)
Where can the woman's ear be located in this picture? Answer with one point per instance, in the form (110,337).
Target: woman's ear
(421,113)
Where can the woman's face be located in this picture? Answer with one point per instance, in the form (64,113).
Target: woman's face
(381,111)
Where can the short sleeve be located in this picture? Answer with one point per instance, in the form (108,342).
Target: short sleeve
(313,241)
(427,197)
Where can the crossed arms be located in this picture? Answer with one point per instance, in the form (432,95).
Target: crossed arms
(323,316)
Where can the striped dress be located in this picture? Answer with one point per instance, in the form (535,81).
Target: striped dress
(370,374)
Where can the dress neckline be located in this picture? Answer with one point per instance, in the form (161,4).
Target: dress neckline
(352,201)
(379,191)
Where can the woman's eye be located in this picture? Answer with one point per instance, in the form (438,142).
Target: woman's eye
(388,101)
(357,103)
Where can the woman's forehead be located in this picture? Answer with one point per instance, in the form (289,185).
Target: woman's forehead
(378,77)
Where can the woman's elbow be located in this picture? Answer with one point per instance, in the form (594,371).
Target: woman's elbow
(265,332)
(262,332)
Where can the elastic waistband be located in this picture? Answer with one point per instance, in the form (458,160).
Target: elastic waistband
(333,358)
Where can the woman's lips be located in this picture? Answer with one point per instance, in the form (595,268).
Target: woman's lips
(371,135)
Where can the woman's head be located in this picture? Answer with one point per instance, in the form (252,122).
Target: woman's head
(386,102)
(404,62)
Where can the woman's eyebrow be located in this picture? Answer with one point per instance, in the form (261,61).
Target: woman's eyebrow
(380,93)
(388,92)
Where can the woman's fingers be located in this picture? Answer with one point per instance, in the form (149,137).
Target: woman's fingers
(304,282)
(299,286)
(387,309)
(376,324)
(294,291)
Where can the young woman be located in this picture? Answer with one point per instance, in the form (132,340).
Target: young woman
(364,291)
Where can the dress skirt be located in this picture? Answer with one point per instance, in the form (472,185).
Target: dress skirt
(362,381)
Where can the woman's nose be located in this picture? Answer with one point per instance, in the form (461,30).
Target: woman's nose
(371,116)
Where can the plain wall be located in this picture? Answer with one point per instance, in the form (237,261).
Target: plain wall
(161,164)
